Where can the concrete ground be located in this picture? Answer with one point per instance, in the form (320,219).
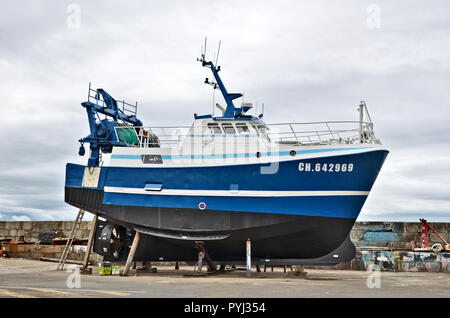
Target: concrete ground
(29,279)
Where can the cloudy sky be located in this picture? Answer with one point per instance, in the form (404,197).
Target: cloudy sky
(306,60)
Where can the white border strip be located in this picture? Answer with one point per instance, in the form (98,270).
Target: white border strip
(235,193)
(223,162)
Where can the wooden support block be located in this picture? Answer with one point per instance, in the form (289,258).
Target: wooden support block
(90,243)
(131,254)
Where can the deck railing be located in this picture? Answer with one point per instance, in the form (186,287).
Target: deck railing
(312,133)
(126,108)
(326,132)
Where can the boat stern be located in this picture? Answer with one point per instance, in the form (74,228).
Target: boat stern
(84,187)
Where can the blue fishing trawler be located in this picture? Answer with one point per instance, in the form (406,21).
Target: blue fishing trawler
(294,189)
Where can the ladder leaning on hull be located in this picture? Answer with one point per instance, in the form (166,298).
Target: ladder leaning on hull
(69,243)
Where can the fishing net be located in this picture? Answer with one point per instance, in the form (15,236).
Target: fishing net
(127,135)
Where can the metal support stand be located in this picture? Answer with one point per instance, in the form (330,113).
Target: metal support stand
(203,255)
(84,268)
(131,254)
(249,258)
(69,243)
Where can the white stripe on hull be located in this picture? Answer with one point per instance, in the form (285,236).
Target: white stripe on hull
(235,193)
(332,151)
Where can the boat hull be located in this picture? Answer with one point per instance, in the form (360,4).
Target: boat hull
(273,236)
(291,215)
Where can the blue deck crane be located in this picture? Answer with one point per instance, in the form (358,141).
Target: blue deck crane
(103,136)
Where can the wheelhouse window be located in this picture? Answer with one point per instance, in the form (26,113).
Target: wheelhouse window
(242,129)
(263,132)
(214,129)
(256,129)
(229,129)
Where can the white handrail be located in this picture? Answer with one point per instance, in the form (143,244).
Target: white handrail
(324,132)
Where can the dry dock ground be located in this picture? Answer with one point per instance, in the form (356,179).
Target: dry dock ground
(28,279)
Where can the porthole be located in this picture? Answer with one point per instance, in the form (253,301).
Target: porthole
(292,153)
(258,155)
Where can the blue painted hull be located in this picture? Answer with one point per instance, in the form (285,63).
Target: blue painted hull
(291,226)
(243,178)
(249,177)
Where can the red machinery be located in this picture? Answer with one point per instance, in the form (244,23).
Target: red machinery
(425,239)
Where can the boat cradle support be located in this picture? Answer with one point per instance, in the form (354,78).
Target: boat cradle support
(203,256)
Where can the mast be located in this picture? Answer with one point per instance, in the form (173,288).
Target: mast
(231,110)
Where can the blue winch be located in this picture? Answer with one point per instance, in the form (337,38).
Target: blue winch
(103,134)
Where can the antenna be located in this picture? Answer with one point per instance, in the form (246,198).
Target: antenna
(218,51)
(214,101)
(204,53)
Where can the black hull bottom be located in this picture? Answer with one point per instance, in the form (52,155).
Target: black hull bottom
(168,234)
